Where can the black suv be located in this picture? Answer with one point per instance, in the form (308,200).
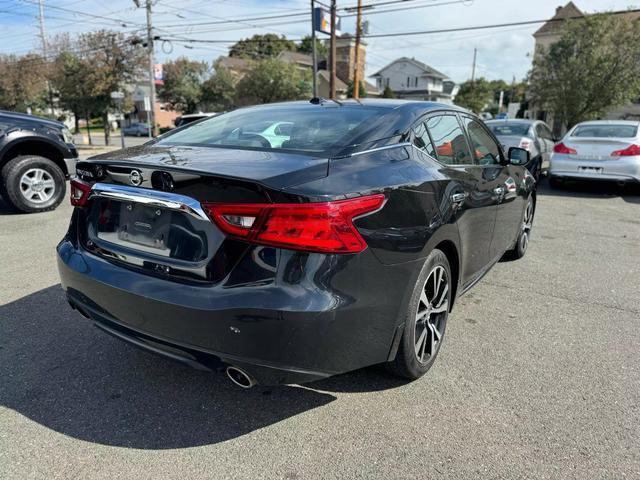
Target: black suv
(37,155)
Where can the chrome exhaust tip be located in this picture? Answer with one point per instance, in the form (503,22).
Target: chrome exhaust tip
(240,377)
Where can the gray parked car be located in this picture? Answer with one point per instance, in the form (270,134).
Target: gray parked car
(532,135)
(598,150)
(136,129)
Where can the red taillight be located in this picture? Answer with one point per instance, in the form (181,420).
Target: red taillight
(318,227)
(79,192)
(631,150)
(562,148)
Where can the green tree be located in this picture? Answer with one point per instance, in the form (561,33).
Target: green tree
(272,80)
(593,67)
(66,76)
(261,46)
(475,95)
(306,46)
(108,61)
(388,93)
(183,79)
(22,82)
(362,92)
(219,90)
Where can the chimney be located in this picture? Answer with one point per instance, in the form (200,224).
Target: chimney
(558,9)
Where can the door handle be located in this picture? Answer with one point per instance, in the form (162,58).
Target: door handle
(458,197)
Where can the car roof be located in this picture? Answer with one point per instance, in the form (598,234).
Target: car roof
(609,122)
(24,117)
(524,121)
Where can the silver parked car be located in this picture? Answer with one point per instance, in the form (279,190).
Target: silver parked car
(598,150)
(532,135)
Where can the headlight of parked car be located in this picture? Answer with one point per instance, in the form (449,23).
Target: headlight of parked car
(67,136)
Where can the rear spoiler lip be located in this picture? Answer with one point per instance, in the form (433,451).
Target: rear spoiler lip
(152,198)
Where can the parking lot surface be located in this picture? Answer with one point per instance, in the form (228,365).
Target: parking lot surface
(539,376)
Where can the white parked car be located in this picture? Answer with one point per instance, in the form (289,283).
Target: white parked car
(598,150)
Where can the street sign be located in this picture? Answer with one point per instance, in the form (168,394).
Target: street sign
(147,104)
(117,95)
(322,21)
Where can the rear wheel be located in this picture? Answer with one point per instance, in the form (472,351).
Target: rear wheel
(425,319)
(32,184)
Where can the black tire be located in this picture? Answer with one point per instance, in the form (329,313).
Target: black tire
(522,242)
(11,190)
(407,363)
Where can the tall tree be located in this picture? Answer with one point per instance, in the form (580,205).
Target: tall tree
(182,88)
(22,82)
(306,46)
(261,46)
(110,61)
(219,90)
(272,80)
(593,67)
(475,95)
(66,78)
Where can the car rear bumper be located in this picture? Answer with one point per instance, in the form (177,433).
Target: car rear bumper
(278,333)
(626,169)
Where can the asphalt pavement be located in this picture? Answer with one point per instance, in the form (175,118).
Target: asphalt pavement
(539,376)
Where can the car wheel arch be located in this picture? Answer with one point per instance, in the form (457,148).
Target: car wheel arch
(31,146)
(450,250)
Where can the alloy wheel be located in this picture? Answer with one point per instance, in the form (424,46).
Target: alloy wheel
(431,316)
(37,185)
(527,223)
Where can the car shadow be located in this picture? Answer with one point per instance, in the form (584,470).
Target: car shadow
(5,209)
(57,369)
(597,189)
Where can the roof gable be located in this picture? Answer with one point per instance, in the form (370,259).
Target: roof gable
(570,10)
(424,68)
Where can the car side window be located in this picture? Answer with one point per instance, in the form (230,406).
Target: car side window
(485,150)
(448,137)
(422,140)
(547,135)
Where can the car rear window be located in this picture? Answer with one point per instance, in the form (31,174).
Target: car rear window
(507,129)
(606,131)
(305,128)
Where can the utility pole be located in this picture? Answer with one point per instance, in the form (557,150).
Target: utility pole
(45,48)
(473,68)
(356,68)
(313,50)
(152,84)
(332,78)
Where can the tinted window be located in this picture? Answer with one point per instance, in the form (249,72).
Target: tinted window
(313,128)
(422,141)
(448,137)
(506,129)
(605,131)
(485,150)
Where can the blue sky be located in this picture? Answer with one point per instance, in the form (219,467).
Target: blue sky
(502,52)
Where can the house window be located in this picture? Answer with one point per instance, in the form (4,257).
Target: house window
(415,82)
(408,81)
(387,81)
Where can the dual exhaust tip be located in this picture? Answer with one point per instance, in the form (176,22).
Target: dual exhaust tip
(240,377)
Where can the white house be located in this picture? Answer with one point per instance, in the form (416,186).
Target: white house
(409,78)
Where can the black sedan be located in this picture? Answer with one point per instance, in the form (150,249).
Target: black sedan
(344,246)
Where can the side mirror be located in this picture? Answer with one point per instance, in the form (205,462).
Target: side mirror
(519,156)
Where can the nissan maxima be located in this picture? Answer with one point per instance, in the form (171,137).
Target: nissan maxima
(598,150)
(343,246)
